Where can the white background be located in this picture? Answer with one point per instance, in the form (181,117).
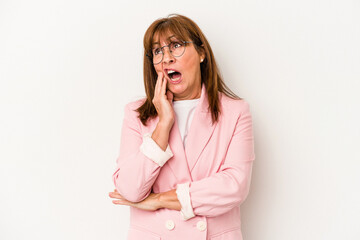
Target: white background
(68,67)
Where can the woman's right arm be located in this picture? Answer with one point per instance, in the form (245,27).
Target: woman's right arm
(142,156)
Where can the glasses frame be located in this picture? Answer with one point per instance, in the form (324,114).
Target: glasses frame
(162,52)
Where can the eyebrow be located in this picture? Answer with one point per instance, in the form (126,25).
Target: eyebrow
(166,39)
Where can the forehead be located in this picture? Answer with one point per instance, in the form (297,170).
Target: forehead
(158,39)
(164,37)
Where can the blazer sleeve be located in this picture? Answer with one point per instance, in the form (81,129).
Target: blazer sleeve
(222,191)
(139,160)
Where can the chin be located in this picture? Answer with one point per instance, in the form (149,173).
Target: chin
(177,90)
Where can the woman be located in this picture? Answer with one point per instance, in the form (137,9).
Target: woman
(187,148)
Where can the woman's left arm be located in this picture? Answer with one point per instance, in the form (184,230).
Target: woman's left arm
(219,193)
(229,187)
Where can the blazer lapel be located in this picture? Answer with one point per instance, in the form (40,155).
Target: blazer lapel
(200,131)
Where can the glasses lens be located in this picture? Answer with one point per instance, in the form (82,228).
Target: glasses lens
(177,48)
(157,55)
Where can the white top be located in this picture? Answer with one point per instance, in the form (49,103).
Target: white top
(184,111)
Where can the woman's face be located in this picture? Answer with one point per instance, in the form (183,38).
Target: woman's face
(185,83)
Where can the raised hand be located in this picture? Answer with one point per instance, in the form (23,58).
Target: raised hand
(163,102)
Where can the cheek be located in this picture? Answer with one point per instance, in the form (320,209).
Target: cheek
(157,69)
(191,63)
(192,60)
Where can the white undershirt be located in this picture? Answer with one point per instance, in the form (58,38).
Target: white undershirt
(184,111)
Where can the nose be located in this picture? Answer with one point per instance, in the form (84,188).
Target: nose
(168,57)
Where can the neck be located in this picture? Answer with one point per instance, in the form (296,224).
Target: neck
(192,95)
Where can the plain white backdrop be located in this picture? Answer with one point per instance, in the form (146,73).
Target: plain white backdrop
(67,69)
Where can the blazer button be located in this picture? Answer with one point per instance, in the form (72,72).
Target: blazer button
(170,225)
(201,225)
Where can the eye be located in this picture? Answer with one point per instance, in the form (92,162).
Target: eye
(176,44)
(157,51)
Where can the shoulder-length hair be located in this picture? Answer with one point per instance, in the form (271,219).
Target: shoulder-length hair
(187,30)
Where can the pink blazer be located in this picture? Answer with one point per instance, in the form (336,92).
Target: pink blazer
(217,162)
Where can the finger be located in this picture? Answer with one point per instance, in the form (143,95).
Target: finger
(163,87)
(115,195)
(118,202)
(158,83)
(122,202)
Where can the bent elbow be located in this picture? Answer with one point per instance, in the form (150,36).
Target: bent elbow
(237,191)
(132,195)
(243,191)
(129,192)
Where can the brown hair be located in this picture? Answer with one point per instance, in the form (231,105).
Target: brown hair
(185,29)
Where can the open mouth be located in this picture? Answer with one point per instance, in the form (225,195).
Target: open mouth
(174,75)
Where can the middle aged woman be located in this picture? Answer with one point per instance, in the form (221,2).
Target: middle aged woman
(186,149)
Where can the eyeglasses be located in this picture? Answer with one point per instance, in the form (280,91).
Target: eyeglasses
(176,48)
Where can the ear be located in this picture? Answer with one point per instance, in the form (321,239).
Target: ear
(202,54)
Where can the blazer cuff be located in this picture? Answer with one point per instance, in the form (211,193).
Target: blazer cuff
(151,150)
(183,195)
